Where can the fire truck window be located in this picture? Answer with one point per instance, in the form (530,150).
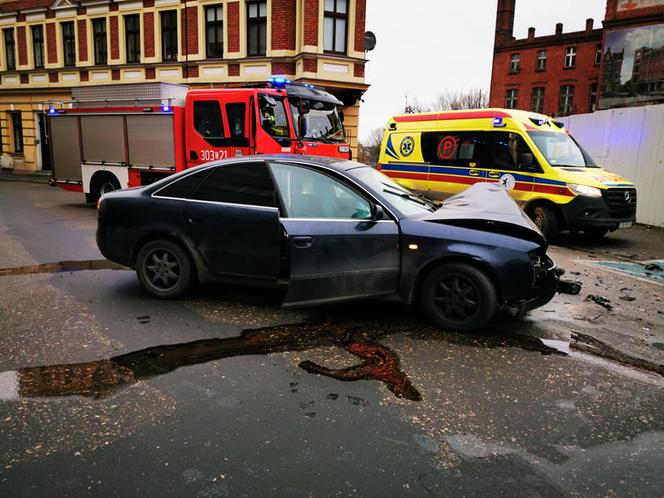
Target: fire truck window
(465,149)
(183,188)
(236,114)
(207,119)
(273,115)
(244,183)
(507,150)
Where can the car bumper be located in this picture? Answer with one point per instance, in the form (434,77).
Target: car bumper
(594,212)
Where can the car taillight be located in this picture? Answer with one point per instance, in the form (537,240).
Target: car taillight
(99,203)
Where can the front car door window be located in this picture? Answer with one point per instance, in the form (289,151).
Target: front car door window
(207,120)
(306,193)
(273,116)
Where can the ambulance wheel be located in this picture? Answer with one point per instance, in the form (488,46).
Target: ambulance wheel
(164,269)
(545,219)
(102,184)
(458,296)
(595,233)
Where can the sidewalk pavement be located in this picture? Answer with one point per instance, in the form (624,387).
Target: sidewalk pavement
(22,175)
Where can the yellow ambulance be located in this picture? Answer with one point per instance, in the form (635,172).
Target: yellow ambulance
(531,155)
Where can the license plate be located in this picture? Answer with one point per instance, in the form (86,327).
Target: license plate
(625,224)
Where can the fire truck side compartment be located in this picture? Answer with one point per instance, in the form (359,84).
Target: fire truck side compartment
(65,148)
(150,140)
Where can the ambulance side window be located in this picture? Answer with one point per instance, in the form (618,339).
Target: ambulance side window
(465,149)
(207,119)
(506,151)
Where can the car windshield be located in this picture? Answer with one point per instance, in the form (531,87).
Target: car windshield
(560,150)
(323,121)
(409,203)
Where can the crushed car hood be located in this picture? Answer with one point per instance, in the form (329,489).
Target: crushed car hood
(486,206)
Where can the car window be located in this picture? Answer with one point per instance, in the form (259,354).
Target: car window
(273,115)
(207,119)
(241,183)
(184,187)
(507,150)
(467,149)
(306,193)
(236,117)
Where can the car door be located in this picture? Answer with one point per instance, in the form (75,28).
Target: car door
(336,250)
(233,220)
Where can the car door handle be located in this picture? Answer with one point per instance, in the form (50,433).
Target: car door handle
(195,220)
(303,242)
(494,174)
(475,172)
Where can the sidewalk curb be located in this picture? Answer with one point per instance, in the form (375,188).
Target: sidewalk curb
(35,178)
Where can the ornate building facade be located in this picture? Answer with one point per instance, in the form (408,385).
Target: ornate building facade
(50,46)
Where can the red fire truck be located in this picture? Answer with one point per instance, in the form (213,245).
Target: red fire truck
(118,136)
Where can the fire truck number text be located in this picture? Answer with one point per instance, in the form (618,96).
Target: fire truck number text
(213,155)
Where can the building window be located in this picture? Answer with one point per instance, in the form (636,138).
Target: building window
(512,98)
(169,35)
(256,28)
(38,45)
(541,60)
(598,54)
(570,57)
(592,101)
(336,22)
(566,99)
(515,63)
(68,43)
(10,53)
(99,36)
(214,32)
(17,126)
(537,100)
(133,38)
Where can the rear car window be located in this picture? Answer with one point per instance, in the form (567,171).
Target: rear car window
(243,183)
(184,187)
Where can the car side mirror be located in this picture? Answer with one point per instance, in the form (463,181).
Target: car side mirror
(342,116)
(528,161)
(377,213)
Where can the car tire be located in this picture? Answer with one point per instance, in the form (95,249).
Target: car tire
(595,233)
(164,269)
(546,220)
(458,296)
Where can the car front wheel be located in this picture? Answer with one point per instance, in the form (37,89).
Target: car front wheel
(164,269)
(459,296)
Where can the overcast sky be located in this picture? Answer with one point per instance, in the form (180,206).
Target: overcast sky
(426,47)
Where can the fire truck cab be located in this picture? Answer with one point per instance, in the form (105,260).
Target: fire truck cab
(119,136)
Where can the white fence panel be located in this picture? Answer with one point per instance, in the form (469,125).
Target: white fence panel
(630,142)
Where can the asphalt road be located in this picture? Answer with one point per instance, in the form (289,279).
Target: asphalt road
(107,392)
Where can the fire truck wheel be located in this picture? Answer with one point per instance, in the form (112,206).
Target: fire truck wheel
(458,296)
(164,269)
(103,184)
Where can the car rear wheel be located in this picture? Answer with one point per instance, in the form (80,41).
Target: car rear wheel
(459,296)
(164,269)
(545,219)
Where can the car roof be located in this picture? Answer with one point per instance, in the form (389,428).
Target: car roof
(329,162)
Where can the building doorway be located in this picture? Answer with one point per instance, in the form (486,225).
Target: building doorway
(44,147)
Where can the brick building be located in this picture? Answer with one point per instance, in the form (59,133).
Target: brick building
(49,46)
(579,72)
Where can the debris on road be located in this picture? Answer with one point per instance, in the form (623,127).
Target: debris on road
(602,301)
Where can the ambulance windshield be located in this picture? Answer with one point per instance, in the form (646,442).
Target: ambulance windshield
(561,150)
(323,121)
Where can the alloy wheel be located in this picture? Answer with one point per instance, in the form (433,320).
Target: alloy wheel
(457,297)
(163,269)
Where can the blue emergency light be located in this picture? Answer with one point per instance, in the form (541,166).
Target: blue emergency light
(498,122)
(51,110)
(278,81)
(165,107)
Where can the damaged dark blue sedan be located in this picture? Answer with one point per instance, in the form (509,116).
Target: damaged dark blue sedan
(330,231)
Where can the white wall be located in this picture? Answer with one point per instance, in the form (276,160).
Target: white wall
(630,142)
